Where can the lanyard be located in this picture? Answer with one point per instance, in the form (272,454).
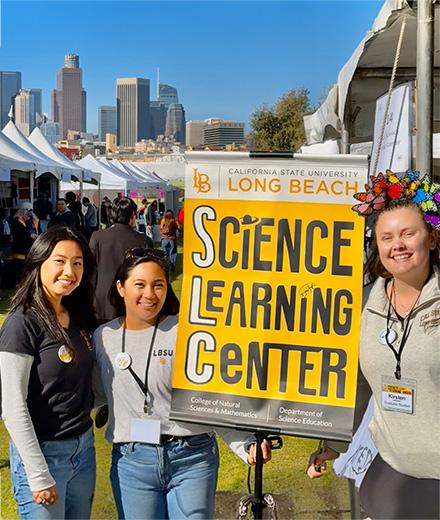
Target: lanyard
(406,331)
(142,386)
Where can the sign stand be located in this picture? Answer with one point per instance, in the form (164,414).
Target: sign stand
(258,500)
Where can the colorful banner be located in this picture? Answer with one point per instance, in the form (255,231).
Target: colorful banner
(271,296)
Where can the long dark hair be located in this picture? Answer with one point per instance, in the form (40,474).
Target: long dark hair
(374,268)
(133,258)
(30,294)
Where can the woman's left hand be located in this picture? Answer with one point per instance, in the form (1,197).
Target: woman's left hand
(266,450)
(46,496)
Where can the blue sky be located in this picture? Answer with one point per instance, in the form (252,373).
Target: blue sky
(226,58)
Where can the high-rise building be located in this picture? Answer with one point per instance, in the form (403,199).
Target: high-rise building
(158,119)
(107,121)
(27,106)
(69,98)
(194,133)
(168,94)
(10,84)
(50,130)
(110,143)
(84,110)
(175,126)
(133,110)
(218,132)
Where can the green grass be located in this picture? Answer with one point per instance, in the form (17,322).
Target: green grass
(284,476)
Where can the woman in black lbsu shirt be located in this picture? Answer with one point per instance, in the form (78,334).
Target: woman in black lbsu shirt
(46,362)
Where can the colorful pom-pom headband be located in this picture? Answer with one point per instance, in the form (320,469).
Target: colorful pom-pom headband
(386,190)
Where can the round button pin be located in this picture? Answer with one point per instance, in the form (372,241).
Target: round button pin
(123,360)
(392,336)
(65,354)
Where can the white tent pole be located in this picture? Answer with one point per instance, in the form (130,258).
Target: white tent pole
(31,185)
(99,204)
(425,37)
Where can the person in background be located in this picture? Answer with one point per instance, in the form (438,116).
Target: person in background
(43,210)
(142,214)
(105,212)
(180,218)
(90,217)
(151,221)
(46,361)
(24,231)
(109,246)
(168,237)
(399,353)
(5,228)
(161,469)
(63,215)
(75,207)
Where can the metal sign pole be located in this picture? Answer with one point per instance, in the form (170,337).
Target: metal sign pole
(424,86)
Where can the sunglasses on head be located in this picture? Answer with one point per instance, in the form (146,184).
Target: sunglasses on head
(142,252)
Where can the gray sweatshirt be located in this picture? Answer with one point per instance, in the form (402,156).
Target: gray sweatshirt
(124,396)
(409,443)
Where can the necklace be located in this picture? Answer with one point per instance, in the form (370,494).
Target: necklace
(407,310)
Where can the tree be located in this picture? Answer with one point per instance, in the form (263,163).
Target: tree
(281,128)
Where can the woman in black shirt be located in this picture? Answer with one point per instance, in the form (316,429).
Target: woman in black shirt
(46,362)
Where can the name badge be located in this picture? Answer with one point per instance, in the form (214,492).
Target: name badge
(398,395)
(145,430)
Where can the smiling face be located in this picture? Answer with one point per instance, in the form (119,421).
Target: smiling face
(144,293)
(404,243)
(61,273)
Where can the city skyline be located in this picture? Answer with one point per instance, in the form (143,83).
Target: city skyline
(259,54)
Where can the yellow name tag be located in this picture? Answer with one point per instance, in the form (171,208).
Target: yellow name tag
(398,396)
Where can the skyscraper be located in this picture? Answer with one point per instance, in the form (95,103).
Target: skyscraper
(10,84)
(133,110)
(168,94)
(218,132)
(107,121)
(158,118)
(69,98)
(175,126)
(194,133)
(27,106)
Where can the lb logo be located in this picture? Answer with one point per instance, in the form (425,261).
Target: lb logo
(201,181)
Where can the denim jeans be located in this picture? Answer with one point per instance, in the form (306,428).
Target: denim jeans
(169,246)
(175,480)
(71,463)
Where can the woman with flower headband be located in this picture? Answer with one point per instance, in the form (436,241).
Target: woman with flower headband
(46,361)
(399,351)
(160,468)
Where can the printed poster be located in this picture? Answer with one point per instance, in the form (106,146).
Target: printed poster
(271,296)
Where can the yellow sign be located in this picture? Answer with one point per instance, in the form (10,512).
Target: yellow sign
(270,312)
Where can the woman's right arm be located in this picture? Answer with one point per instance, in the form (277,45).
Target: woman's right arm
(15,369)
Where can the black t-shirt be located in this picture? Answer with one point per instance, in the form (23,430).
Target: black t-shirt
(59,394)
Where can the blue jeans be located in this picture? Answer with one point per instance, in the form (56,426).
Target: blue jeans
(71,463)
(175,480)
(169,246)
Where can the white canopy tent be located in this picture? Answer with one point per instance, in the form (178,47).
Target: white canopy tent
(17,137)
(151,182)
(350,104)
(7,165)
(42,144)
(9,149)
(112,179)
(162,184)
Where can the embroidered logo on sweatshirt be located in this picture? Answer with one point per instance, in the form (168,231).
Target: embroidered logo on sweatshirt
(429,320)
